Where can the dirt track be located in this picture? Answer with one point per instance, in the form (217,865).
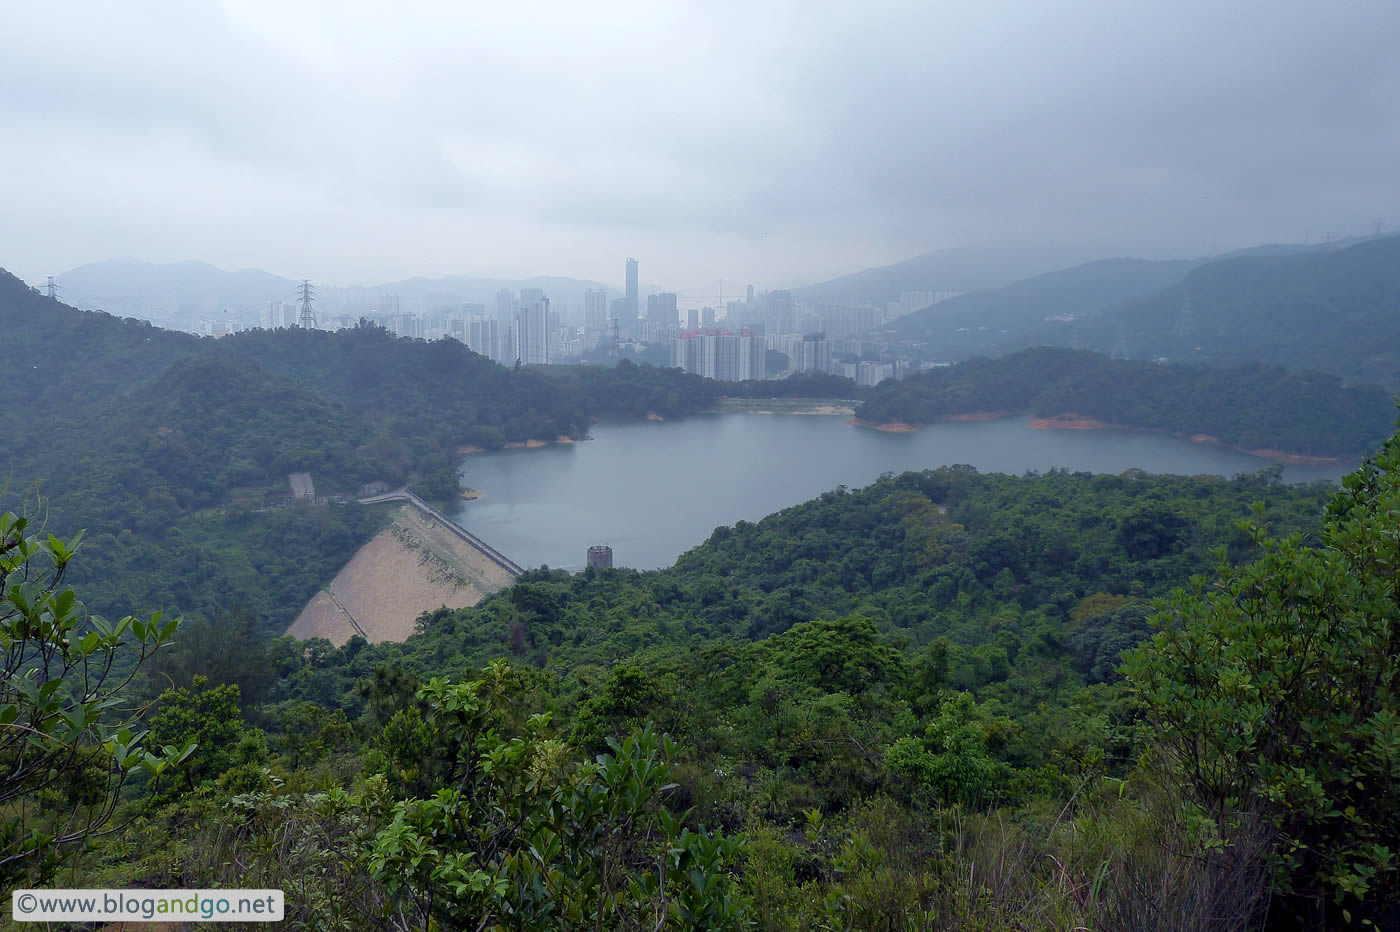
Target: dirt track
(410,567)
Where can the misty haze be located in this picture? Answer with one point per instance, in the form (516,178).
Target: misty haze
(700,466)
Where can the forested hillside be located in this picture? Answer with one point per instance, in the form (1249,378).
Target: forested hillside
(1332,310)
(980,321)
(1329,308)
(167,448)
(936,701)
(959,268)
(900,705)
(922,556)
(1252,407)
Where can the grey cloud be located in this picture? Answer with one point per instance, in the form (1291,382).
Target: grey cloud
(848,130)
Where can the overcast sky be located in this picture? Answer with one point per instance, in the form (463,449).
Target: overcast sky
(747,141)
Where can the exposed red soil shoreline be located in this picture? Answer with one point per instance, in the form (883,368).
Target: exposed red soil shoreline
(469,450)
(899,427)
(973,416)
(889,427)
(1072,421)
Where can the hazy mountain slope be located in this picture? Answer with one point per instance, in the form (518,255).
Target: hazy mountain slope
(974,322)
(1336,310)
(67,358)
(460,289)
(182,292)
(174,291)
(968,268)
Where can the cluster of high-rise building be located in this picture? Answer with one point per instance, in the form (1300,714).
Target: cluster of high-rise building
(721,354)
(763,335)
(805,352)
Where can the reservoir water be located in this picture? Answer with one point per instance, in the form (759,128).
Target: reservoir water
(654,490)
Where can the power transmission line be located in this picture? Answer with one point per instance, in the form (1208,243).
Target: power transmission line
(308,316)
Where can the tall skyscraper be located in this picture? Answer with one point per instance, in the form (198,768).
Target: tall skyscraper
(483,336)
(780,317)
(626,312)
(595,310)
(532,332)
(505,305)
(661,309)
(753,357)
(632,298)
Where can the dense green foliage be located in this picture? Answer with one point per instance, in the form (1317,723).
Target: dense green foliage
(898,706)
(902,706)
(70,735)
(801,385)
(1310,413)
(1276,706)
(922,556)
(847,668)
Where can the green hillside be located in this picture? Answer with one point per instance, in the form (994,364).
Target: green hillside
(1333,310)
(166,447)
(959,268)
(943,700)
(919,704)
(1253,407)
(977,322)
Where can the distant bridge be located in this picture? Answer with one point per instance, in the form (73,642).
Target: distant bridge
(491,553)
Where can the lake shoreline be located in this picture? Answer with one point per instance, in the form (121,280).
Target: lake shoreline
(901,427)
(1069,420)
(813,407)
(468,449)
(1072,421)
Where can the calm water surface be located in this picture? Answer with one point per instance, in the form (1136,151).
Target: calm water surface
(654,490)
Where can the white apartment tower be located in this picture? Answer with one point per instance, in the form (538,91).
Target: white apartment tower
(532,332)
(595,310)
(724,357)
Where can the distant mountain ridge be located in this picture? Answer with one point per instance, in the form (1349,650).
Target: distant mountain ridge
(988,267)
(178,292)
(166,293)
(1333,309)
(1329,306)
(959,268)
(979,321)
